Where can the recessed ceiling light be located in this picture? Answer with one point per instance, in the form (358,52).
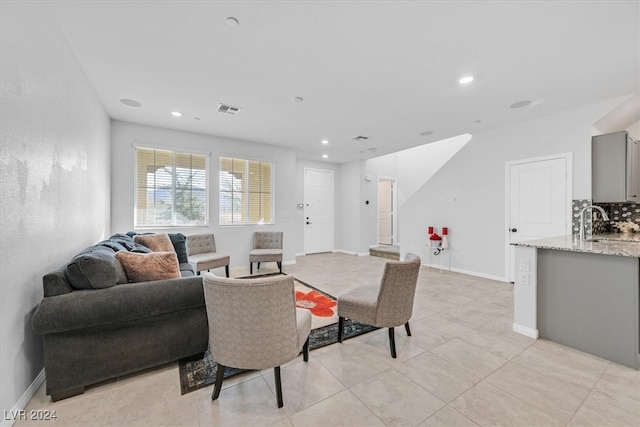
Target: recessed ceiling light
(465,80)
(297,99)
(324,156)
(521,104)
(231,21)
(426,133)
(176,114)
(130,102)
(325,141)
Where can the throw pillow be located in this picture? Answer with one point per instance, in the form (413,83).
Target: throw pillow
(148,267)
(95,268)
(179,241)
(156,242)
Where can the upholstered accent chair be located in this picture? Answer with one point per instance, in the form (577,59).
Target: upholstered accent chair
(254,324)
(201,253)
(267,246)
(386,305)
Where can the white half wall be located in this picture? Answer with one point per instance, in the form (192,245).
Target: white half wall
(233,240)
(55,180)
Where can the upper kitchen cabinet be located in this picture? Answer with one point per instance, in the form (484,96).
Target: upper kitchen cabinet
(615,168)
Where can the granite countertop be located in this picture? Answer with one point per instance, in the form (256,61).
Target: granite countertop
(618,244)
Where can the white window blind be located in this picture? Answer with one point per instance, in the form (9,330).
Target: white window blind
(171,188)
(246,192)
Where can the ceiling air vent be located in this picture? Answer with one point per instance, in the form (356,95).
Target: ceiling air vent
(228,109)
(360,138)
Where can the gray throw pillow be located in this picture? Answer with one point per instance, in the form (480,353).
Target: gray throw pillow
(96,268)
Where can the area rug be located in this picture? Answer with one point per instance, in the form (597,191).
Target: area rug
(196,372)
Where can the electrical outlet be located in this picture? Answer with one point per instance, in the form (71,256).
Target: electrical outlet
(524,278)
(524,264)
(442,201)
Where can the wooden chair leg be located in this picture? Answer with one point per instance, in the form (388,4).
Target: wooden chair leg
(406,327)
(392,342)
(280,266)
(340,328)
(305,350)
(226,269)
(276,372)
(219,378)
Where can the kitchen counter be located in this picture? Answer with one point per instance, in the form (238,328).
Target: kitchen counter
(617,244)
(581,293)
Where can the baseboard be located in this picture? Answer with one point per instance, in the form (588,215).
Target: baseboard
(523,330)
(23,401)
(289,262)
(301,254)
(363,254)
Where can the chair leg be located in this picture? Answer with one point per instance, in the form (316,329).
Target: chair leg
(280,266)
(276,372)
(392,342)
(250,268)
(226,269)
(406,327)
(340,328)
(219,378)
(258,265)
(305,350)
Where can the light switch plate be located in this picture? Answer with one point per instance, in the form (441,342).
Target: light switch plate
(524,264)
(524,278)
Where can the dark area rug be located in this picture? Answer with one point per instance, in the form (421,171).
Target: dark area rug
(197,372)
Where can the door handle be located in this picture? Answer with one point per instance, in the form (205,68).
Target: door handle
(308,223)
(513,230)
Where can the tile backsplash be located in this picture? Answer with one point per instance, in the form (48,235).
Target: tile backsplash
(616,211)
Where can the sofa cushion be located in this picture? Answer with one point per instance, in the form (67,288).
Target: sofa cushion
(148,267)
(94,268)
(159,242)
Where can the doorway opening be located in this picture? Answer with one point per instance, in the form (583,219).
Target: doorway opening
(387,220)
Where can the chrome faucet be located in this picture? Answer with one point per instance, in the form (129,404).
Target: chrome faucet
(605,217)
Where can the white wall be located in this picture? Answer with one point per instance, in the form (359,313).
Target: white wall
(55,179)
(233,240)
(475,177)
(349,208)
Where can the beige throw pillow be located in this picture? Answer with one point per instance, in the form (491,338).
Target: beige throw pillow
(148,267)
(159,242)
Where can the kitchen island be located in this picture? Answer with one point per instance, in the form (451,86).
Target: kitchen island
(581,293)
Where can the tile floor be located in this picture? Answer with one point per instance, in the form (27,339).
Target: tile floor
(463,366)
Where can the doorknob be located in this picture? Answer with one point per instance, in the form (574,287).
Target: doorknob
(308,222)
(513,230)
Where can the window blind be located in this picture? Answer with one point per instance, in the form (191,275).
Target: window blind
(171,188)
(246,192)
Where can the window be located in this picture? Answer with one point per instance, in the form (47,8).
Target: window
(246,192)
(171,188)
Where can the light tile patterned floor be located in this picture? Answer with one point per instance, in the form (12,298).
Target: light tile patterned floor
(463,366)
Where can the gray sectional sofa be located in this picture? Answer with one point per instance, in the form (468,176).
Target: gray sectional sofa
(97,326)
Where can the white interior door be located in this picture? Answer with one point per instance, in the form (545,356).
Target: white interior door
(385,212)
(318,210)
(539,201)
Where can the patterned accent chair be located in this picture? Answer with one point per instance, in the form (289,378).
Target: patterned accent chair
(386,305)
(201,253)
(267,246)
(254,324)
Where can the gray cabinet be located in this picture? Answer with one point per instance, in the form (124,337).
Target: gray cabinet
(615,168)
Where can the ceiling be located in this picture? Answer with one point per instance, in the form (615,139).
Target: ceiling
(387,70)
